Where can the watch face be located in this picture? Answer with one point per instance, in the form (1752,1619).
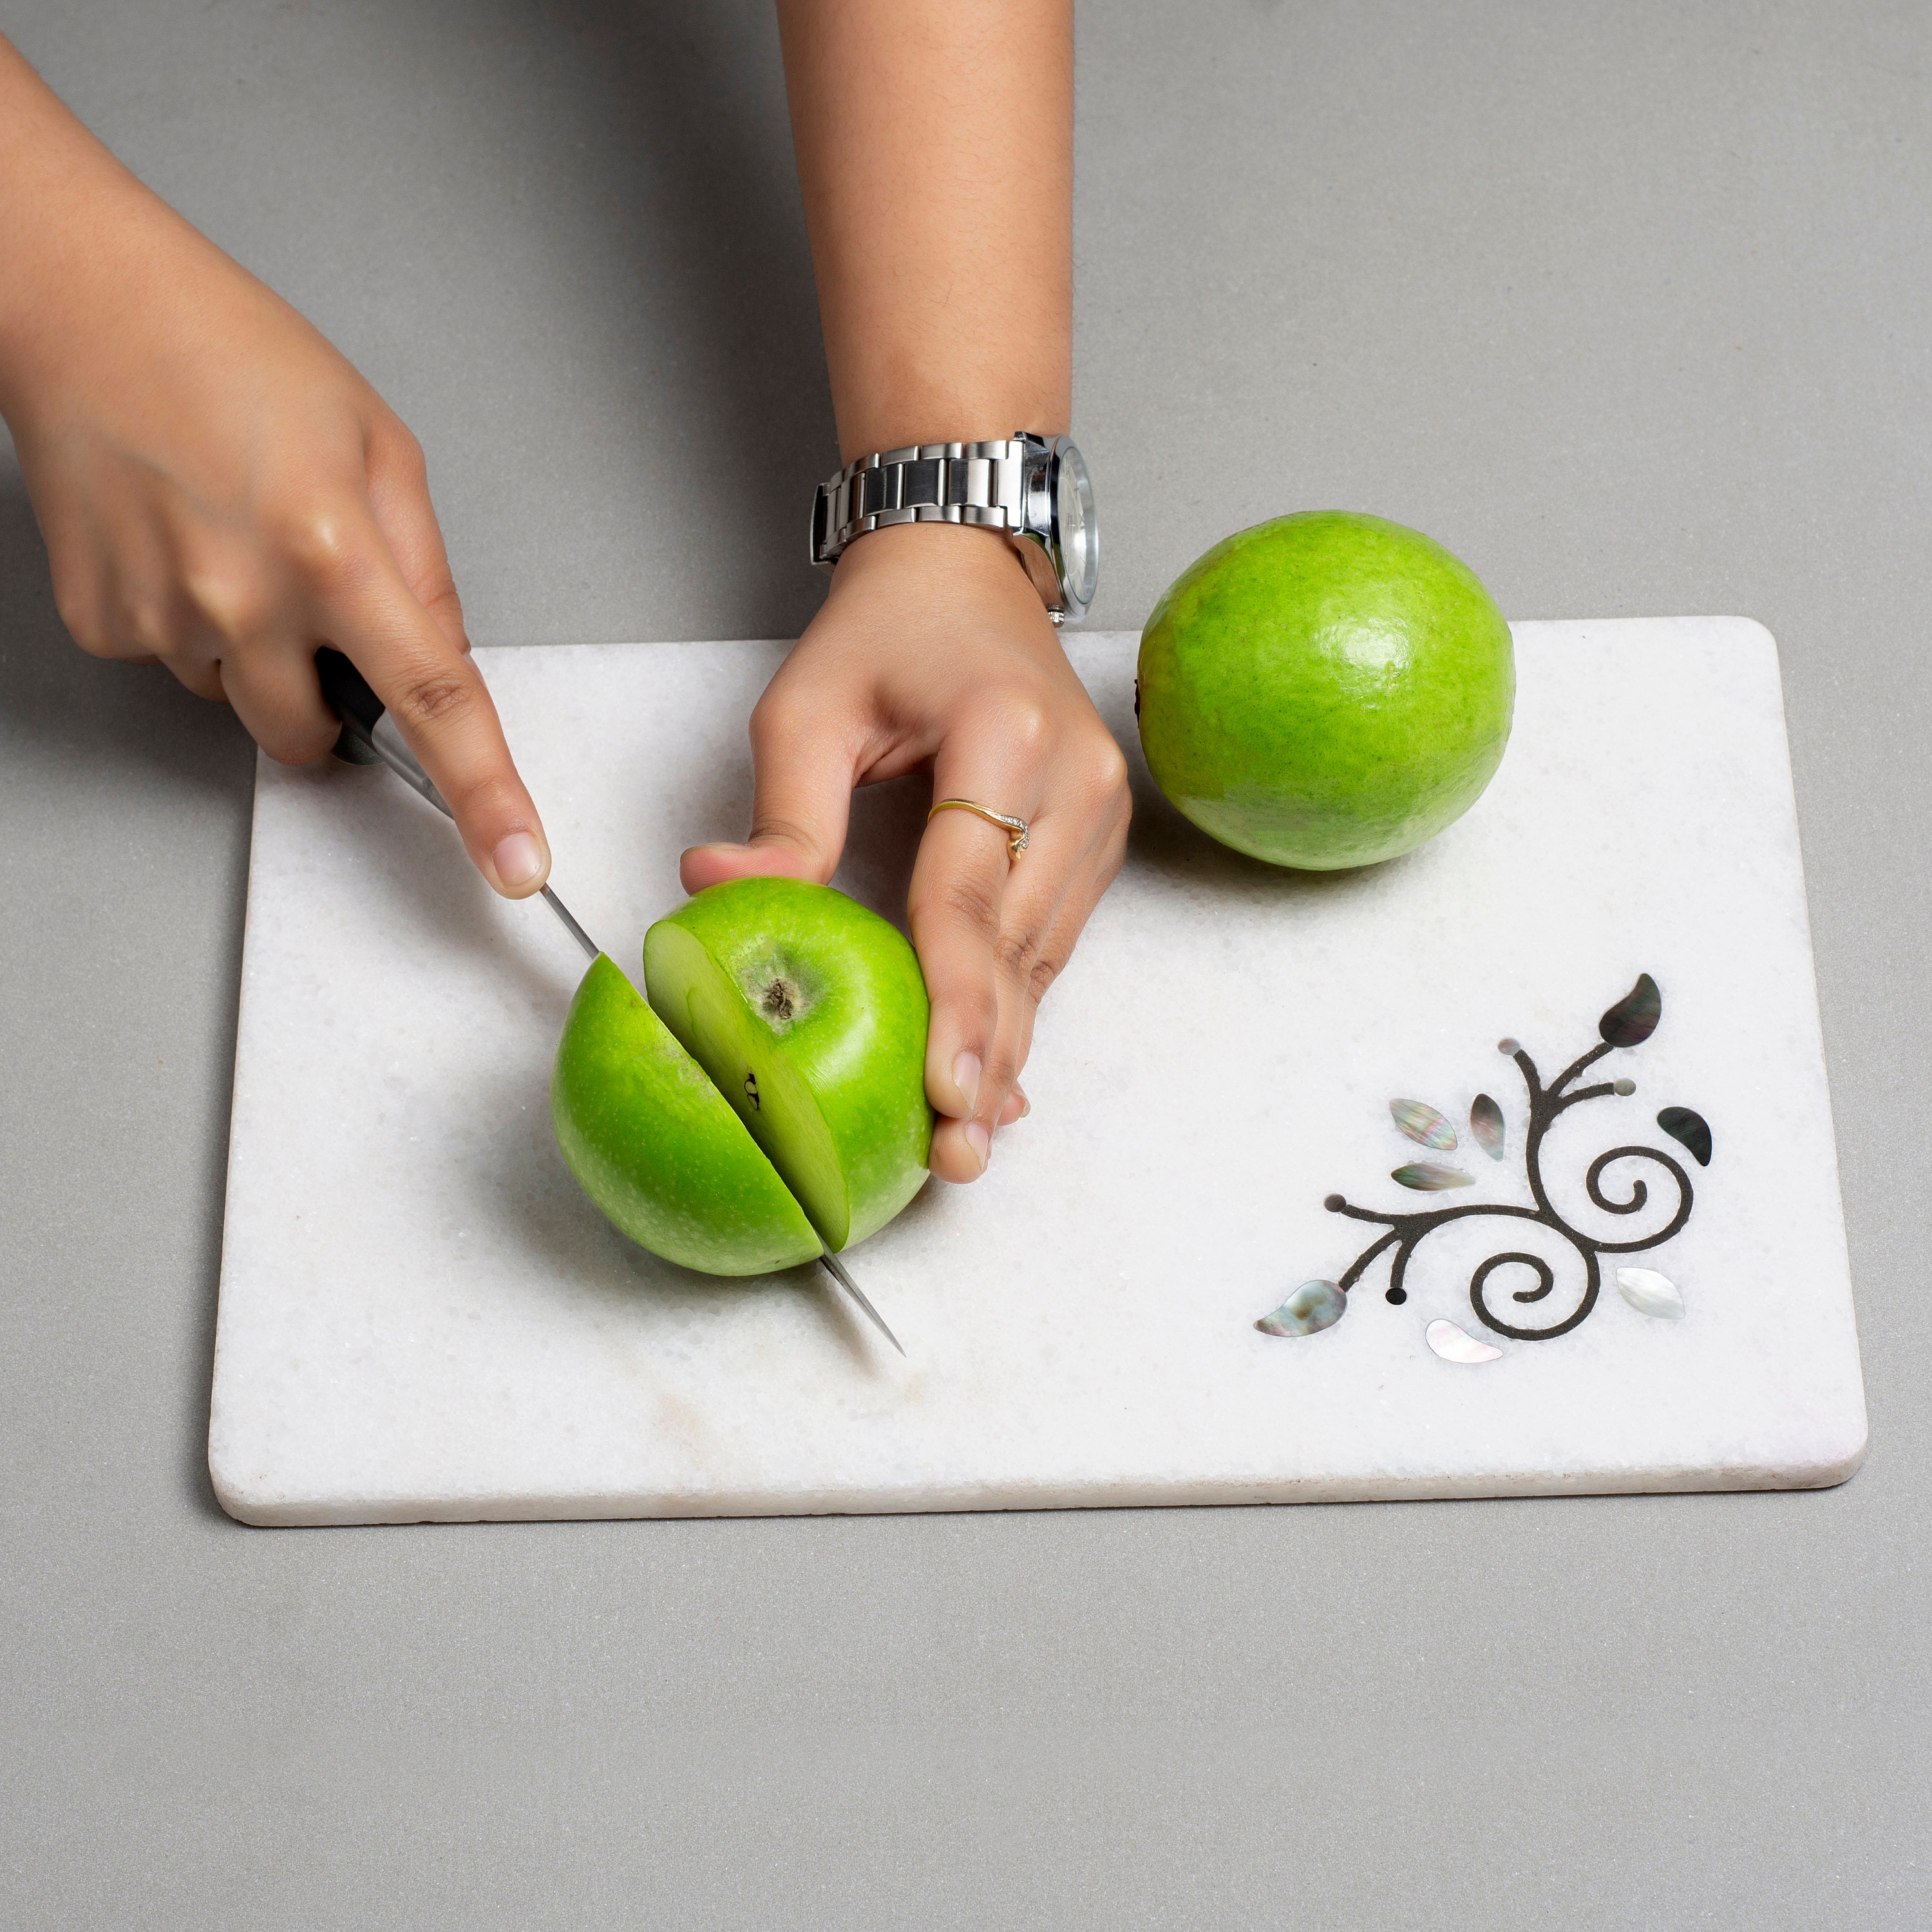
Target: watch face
(1076,534)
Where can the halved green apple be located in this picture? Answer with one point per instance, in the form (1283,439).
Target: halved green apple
(809,1013)
(655,1145)
(774,1102)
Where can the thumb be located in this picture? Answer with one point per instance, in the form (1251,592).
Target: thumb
(801,803)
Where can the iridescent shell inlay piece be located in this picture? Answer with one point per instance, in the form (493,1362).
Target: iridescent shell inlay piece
(1313,1306)
(1420,1122)
(1453,1344)
(1686,1125)
(1623,1089)
(1426,1177)
(1650,1293)
(1485,1123)
(1508,1045)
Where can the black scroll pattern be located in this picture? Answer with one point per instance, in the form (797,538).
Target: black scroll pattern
(1627,1024)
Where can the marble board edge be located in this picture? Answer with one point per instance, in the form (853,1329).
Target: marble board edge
(1467,1486)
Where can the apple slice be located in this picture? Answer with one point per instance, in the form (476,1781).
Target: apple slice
(809,1013)
(655,1145)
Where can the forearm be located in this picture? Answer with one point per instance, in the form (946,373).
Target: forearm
(51,170)
(217,487)
(935,152)
(67,207)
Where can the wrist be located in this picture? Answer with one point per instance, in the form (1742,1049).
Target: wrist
(908,573)
(955,558)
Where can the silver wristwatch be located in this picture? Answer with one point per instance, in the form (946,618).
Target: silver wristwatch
(1035,488)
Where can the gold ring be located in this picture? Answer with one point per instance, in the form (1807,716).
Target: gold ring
(1015,829)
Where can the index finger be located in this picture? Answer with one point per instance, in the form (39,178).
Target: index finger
(442,706)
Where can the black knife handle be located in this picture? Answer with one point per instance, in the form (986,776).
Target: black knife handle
(347,693)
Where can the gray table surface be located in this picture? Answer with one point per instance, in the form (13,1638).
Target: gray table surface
(1628,304)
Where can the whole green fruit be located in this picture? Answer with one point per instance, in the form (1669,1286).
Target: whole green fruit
(1325,690)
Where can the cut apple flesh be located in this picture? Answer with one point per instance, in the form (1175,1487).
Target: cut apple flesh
(732,1032)
(647,1133)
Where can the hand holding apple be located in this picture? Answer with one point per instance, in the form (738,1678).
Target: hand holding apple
(934,649)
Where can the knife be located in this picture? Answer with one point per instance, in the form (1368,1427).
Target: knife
(370,737)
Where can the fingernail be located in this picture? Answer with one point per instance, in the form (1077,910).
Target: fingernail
(980,1141)
(966,1077)
(518,860)
(1026,1105)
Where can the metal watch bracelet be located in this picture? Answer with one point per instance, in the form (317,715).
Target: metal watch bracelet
(924,483)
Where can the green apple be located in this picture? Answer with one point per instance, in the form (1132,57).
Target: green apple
(658,1147)
(773,1104)
(1325,690)
(809,1013)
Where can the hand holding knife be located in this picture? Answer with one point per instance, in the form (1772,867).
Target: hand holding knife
(369,735)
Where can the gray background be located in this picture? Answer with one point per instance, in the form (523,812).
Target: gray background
(1627,304)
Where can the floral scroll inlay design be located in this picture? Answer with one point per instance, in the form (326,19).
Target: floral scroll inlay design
(1624,1026)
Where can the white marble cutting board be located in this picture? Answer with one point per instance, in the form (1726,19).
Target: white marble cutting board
(421,1317)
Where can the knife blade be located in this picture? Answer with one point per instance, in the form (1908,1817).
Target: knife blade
(370,734)
(836,1268)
